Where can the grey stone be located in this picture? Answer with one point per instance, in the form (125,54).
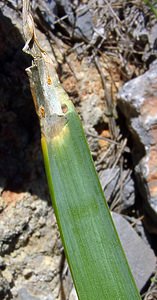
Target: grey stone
(81,20)
(137,100)
(110,181)
(79,17)
(139,228)
(84,25)
(73,295)
(50,12)
(23,294)
(140,256)
(35,259)
(128,191)
(2,263)
(91,111)
(4,288)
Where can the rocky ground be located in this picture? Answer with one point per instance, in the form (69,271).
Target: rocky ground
(105,54)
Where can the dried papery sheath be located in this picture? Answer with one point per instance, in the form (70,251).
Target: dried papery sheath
(95,256)
(47,92)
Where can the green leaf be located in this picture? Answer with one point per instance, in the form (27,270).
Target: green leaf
(95,256)
(151,6)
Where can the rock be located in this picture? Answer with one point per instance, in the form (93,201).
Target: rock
(109,180)
(24,295)
(140,230)
(4,289)
(91,111)
(27,273)
(81,21)
(79,17)
(111,183)
(140,256)
(30,262)
(8,276)
(2,263)
(128,190)
(49,12)
(73,294)
(137,100)
(83,24)
(150,48)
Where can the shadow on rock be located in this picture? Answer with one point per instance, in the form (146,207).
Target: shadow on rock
(21,167)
